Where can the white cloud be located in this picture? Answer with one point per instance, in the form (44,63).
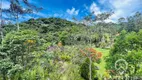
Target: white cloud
(94,8)
(28,17)
(40,14)
(86,7)
(124,8)
(109,20)
(57,15)
(5,4)
(121,8)
(72,11)
(102,1)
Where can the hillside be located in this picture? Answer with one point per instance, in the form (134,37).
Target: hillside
(57,49)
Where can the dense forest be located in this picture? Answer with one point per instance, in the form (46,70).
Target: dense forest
(59,49)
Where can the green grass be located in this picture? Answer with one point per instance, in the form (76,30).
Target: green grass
(105,52)
(101,65)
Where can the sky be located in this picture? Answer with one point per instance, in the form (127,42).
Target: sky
(66,9)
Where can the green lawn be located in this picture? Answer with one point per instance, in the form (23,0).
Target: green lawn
(105,52)
(101,66)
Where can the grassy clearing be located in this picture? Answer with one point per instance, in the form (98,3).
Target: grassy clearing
(101,66)
(101,71)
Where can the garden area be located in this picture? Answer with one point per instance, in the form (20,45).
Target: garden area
(54,48)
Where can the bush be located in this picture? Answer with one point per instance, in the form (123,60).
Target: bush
(84,70)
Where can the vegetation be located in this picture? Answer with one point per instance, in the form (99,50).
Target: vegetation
(58,49)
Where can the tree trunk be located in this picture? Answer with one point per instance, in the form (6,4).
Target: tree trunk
(90,70)
(17,22)
(4,76)
(1,32)
(22,59)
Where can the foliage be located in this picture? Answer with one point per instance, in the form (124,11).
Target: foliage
(18,45)
(132,23)
(90,52)
(128,49)
(49,48)
(5,65)
(84,70)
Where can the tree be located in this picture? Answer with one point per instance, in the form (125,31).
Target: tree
(18,45)
(86,67)
(75,19)
(1,30)
(17,52)
(17,9)
(122,22)
(85,70)
(133,23)
(5,65)
(128,47)
(88,20)
(103,16)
